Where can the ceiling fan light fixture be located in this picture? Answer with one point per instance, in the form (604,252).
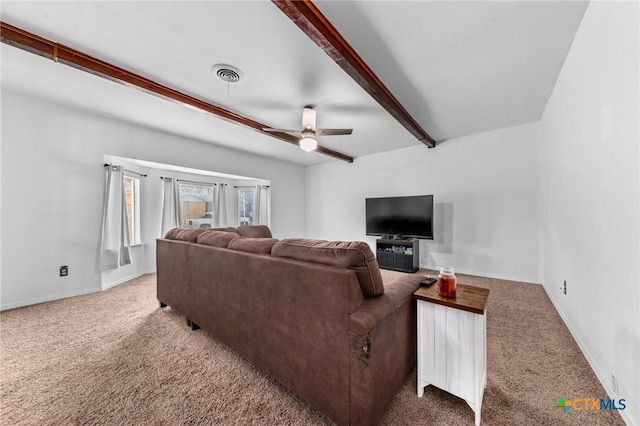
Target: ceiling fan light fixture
(308,144)
(309,131)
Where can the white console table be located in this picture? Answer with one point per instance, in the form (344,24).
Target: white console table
(452,343)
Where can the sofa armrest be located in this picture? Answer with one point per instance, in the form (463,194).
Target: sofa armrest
(375,309)
(383,348)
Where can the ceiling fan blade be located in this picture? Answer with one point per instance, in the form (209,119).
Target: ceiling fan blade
(269,129)
(309,118)
(333,132)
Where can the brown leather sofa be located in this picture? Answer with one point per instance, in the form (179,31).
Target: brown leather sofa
(315,315)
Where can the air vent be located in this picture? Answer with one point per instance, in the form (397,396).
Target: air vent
(227,73)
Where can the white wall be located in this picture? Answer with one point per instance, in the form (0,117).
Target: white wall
(589,185)
(486,216)
(52,185)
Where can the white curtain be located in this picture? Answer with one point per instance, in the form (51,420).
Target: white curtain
(262,206)
(114,244)
(220,206)
(170,206)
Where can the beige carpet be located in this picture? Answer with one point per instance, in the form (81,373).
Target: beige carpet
(115,358)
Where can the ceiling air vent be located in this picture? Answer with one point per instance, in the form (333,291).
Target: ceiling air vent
(227,73)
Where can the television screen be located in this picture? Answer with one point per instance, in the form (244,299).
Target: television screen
(408,217)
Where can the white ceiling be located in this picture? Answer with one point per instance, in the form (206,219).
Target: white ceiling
(459,68)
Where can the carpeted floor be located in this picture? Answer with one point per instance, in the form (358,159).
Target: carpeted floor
(115,358)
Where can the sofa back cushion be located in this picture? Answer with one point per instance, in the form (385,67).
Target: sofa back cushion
(254,231)
(185,234)
(355,255)
(225,229)
(217,238)
(253,245)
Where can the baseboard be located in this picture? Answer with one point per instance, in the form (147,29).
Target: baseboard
(125,279)
(520,279)
(602,376)
(515,278)
(49,298)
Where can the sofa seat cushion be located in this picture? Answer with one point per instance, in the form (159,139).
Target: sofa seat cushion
(253,245)
(185,234)
(355,255)
(217,238)
(254,231)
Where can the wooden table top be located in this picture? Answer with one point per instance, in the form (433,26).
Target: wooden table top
(468,298)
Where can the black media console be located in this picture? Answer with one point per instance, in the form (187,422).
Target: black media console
(398,255)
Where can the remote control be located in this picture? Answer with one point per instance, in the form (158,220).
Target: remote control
(428,281)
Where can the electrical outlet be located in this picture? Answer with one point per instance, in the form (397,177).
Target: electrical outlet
(64,270)
(614,384)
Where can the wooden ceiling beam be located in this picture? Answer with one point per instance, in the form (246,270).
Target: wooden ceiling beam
(22,39)
(318,28)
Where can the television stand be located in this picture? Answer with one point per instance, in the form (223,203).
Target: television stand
(398,255)
(394,238)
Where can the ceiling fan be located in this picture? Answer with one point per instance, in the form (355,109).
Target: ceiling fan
(309,131)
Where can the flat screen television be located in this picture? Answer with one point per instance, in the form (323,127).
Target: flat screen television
(400,217)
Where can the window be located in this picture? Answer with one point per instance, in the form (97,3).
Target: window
(246,204)
(196,205)
(132,200)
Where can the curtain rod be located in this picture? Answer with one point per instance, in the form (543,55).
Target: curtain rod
(252,186)
(194,182)
(130,171)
